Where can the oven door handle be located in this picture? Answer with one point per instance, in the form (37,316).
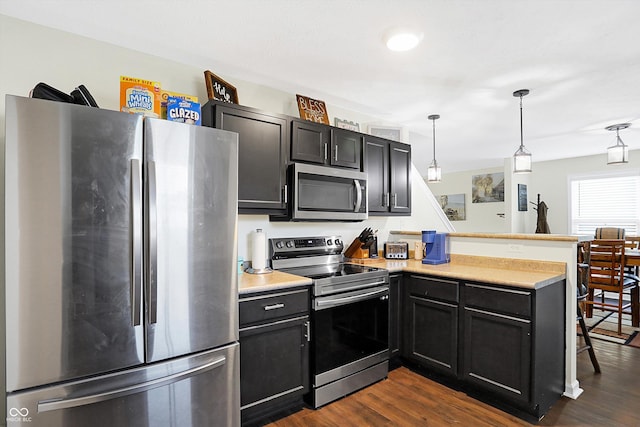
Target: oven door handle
(325,302)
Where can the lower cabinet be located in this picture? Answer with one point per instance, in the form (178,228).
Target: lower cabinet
(502,344)
(274,353)
(514,344)
(431,320)
(395,320)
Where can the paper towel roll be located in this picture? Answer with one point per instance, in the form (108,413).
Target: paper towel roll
(259,250)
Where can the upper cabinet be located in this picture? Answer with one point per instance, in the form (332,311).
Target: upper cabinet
(268,142)
(346,148)
(309,141)
(388,165)
(262,154)
(325,145)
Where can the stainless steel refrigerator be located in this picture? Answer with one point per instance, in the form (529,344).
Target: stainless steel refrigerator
(120,269)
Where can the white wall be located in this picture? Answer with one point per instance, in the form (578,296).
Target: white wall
(479,216)
(550,179)
(32,53)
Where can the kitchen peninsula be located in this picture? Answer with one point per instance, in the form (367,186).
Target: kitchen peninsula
(538,273)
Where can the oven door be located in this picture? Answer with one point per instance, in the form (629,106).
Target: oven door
(328,194)
(350,333)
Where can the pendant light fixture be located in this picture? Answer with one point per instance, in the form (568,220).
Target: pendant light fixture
(434,173)
(619,153)
(521,158)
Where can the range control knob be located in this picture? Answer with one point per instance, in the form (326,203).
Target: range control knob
(329,242)
(338,242)
(289,244)
(279,245)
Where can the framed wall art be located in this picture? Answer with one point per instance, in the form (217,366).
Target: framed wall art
(219,89)
(387,132)
(487,188)
(453,206)
(522,197)
(344,124)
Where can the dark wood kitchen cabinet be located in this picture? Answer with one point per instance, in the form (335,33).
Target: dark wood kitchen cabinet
(514,343)
(262,154)
(274,352)
(325,145)
(388,165)
(395,317)
(502,344)
(431,323)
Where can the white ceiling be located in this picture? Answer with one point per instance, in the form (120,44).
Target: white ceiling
(579,58)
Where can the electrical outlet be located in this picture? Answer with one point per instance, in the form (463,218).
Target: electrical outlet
(514,248)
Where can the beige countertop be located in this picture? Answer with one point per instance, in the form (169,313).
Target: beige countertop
(249,283)
(501,271)
(518,236)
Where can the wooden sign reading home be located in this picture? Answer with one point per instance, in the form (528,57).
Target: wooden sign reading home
(219,89)
(312,110)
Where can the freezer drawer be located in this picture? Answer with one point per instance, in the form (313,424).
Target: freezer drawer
(199,390)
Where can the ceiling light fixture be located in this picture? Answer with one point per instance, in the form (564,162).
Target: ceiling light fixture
(434,173)
(521,158)
(401,41)
(619,153)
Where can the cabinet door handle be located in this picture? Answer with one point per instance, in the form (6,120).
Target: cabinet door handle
(335,158)
(385,200)
(273,306)
(307,335)
(394,198)
(286,196)
(325,151)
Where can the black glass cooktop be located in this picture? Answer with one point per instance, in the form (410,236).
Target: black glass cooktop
(331,270)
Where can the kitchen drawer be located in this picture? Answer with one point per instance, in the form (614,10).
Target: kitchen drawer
(433,288)
(498,299)
(268,307)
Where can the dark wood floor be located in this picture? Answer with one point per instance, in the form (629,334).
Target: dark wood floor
(405,398)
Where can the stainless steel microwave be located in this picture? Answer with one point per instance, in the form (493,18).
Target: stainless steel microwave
(320,193)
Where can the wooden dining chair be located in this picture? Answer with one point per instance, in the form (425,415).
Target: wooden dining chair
(584,254)
(631,243)
(609,233)
(606,274)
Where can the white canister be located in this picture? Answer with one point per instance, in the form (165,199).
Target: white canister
(418,250)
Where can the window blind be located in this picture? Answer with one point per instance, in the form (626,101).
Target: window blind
(605,202)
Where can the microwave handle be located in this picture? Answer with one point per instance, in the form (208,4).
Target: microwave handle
(359,195)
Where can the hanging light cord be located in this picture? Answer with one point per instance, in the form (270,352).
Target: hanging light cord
(434,140)
(521,134)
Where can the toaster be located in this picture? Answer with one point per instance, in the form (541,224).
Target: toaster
(396,250)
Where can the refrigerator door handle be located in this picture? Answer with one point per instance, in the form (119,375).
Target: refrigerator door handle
(153,243)
(136,250)
(58,404)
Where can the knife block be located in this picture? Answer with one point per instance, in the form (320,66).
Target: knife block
(355,250)
(360,253)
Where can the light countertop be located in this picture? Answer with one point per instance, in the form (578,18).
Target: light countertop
(249,283)
(501,271)
(508,236)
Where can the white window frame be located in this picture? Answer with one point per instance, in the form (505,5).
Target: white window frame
(631,224)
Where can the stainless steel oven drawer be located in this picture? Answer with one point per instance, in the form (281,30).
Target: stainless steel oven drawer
(261,308)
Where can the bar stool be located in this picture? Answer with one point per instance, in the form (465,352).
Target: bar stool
(584,253)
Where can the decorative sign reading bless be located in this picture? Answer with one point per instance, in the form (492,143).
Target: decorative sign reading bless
(312,110)
(219,89)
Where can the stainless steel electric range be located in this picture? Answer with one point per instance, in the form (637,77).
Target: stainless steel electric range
(349,315)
